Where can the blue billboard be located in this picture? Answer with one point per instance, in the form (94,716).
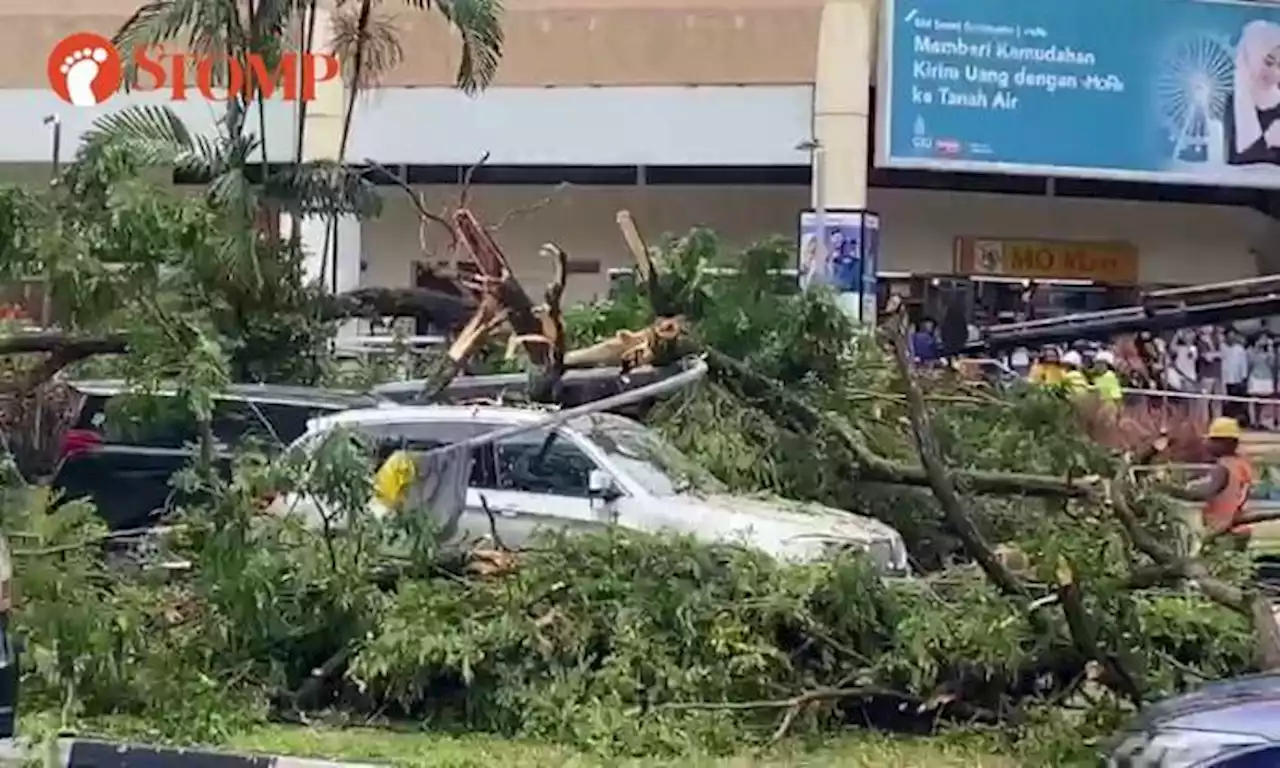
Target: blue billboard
(1175,91)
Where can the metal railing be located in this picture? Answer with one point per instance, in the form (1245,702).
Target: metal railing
(406,349)
(1254,412)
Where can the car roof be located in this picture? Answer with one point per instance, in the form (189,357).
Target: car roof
(425,414)
(263,393)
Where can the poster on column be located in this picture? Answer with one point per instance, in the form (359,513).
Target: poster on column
(836,252)
(1171,91)
(870,266)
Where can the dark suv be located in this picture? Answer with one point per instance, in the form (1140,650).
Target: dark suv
(123,458)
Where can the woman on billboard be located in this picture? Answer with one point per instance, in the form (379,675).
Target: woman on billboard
(1253,116)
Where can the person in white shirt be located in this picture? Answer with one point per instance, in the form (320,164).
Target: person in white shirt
(1235,375)
(1262,381)
(1020,361)
(1209,368)
(1185,358)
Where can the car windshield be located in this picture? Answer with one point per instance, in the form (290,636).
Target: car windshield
(645,457)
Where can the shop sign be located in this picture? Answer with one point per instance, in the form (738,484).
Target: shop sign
(1101,261)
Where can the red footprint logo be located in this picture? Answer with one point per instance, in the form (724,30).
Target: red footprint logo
(84,69)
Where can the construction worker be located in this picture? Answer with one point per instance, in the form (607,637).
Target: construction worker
(1073,378)
(1048,369)
(1225,490)
(1106,384)
(1105,380)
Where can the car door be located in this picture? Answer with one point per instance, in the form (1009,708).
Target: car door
(542,482)
(138,449)
(386,439)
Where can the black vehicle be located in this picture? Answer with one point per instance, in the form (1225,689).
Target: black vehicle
(123,460)
(1227,724)
(9,648)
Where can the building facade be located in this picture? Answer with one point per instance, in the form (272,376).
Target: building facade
(685,112)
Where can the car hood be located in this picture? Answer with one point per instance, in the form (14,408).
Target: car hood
(783,528)
(1204,708)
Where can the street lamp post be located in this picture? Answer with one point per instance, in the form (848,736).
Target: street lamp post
(818,164)
(56,123)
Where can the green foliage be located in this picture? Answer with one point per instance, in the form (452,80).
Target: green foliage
(643,624)
(617,642)
(123,251)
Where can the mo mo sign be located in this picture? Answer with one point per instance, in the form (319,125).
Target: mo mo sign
(85,69)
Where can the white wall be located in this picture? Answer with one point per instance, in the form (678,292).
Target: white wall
(582,221)
(27,139)
(694,125)
(1178,243)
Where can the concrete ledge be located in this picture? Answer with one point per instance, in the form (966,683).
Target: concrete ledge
(90,753)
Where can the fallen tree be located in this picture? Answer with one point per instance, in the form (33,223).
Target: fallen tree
(1039,582)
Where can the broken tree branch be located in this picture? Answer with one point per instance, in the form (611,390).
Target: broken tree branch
(876,468)
(488,317)
(496,271)
(937,473)
(1084,635)
(544,385)
(1249,603)
(525,210)
(443,309)
(464,190)
(654,345)
(63,349)
(419,201)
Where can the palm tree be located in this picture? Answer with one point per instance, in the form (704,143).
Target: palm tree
(366,42)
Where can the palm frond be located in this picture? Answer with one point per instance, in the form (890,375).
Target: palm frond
(159,137)
(199,26)
(275,18)
(322,188)
(157,22)
(479,23)
(367,42)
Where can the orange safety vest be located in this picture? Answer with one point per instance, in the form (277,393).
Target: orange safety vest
(1220,510)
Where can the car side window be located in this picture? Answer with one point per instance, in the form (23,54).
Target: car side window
(424,436)
(236,421)
(545,461)
(147,422)
(288,421)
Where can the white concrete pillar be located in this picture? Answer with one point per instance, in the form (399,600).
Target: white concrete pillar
(316,235)
(842,102)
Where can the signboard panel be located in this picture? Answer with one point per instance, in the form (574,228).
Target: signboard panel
(1104,262)
(840,249)
(1174,91)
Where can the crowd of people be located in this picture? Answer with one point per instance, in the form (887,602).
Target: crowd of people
(1209,367)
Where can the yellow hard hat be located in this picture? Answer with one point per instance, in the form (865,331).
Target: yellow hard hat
(1225,427)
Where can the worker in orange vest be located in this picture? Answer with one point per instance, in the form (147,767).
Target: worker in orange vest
(1226,489)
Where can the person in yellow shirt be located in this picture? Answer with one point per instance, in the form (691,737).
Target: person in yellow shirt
(1048,370)
(1073,378)
(1105,380)
(1107,384)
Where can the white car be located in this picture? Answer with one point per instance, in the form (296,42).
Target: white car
(595,471)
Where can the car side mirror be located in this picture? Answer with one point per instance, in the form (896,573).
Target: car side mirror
(600,485)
